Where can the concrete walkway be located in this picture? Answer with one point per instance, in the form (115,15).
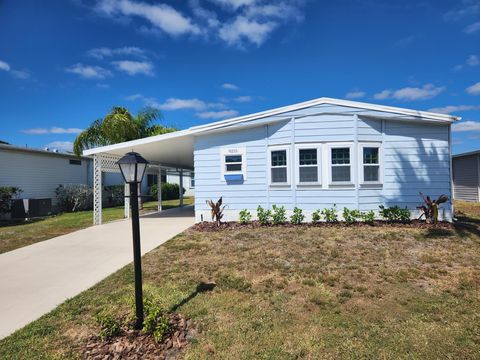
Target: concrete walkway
(37,278)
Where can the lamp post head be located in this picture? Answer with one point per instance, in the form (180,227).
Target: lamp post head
(132,166)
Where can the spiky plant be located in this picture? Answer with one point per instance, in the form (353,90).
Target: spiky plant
(216,209)
(430,207)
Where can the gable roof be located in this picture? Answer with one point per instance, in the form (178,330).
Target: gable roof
(338,102)
(215,126)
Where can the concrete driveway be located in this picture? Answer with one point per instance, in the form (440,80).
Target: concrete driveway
(37,278)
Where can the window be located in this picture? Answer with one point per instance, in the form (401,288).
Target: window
(75,162)
(370,171)
(151,179)
(279,162)
(308,162)
(192,180)
(234,164)
(340,164)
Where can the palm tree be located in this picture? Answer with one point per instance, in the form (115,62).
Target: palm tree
(118,126)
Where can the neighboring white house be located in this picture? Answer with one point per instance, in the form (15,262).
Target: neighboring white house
(466,176)
(39,172)
(310,155)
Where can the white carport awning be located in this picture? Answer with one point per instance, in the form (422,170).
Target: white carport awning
(171,150)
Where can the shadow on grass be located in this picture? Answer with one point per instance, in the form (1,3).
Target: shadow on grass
(435,233)
(201,288)
(466,225)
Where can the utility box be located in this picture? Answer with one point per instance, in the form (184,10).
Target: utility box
(30,208)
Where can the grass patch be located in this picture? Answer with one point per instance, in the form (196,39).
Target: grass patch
(391,293)
(16,234)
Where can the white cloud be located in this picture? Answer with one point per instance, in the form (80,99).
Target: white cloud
(384,94)
(104,52)
(160,16)
(243,99)
(454,108)
(243,29)
(4,66)
(465,9)
(474,89)
(428,91)
(473,60)
(217,114)
(134,97)
(234,4)
(229,86)
(66,146)
(134,67)
(466,126)
(472,28)
(52,130)
(19,74)
(355,94)
(177,104)
(237,22)
(89,71)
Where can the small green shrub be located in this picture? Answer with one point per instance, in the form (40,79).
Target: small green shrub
(297,216)
(109,326)
(155,320)
(316,216)
(245,216)
(350,216)
(368,217)
(395,213)
(74,197)
(279,214)
(263,215)
(7,194)
(169,191)
(330,215)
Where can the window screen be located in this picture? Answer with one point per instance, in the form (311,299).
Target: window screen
(308,165)
(233,163)
(371,164)
(279,166)
(341,165)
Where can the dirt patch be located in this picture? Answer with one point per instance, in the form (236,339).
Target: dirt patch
(134,344)
(415,224)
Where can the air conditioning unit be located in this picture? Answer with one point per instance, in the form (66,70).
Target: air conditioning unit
(30,208)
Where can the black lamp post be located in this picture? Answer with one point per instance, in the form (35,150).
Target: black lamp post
(133,166)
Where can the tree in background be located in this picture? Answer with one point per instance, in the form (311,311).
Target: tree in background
(118,126)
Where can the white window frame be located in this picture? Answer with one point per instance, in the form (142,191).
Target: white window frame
(317,147)
(331,146)
(377,145)
(288,166)
(233,151)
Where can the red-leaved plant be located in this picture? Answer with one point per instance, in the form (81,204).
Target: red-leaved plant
(430,207)
(216,210)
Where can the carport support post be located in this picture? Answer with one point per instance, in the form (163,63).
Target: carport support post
(137,258)
(97,189)
(181,187)
(127,201)
(159,188)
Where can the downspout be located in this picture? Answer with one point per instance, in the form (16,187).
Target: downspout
(452,188)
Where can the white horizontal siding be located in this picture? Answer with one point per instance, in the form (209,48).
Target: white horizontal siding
(38,175)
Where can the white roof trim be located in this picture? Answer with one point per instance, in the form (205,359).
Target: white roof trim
(442,118)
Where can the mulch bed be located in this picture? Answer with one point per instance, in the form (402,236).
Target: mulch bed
(207,226)
(136,345)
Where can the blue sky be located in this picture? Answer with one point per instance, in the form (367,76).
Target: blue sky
(65,63)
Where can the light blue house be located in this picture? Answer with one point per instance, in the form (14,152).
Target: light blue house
(310,155)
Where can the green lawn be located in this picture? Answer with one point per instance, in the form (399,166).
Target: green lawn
(22,234)
(294,293)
